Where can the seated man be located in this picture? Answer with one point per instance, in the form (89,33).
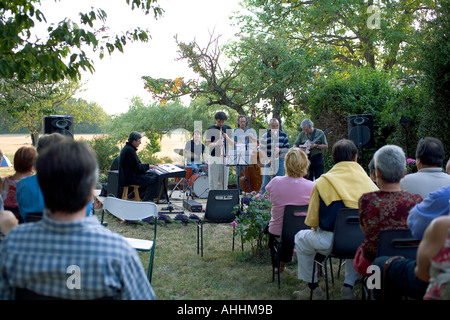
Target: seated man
(194,152)
(68,255)
(340,187)
(430,176)
(29,195)
(133,172)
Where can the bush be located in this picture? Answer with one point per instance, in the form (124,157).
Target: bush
(251,221)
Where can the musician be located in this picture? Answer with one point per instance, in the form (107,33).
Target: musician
(245,139)
(132,171)
(308,134)
(216,141)
(194,151)
(273,147)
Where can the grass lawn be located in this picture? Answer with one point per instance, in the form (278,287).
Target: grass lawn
(221,274)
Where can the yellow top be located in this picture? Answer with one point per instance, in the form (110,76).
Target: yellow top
(346,181)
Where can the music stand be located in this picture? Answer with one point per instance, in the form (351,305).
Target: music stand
(239,158)
(183,180)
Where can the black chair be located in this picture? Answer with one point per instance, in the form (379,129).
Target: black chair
(291,225)
(348,236)
(399,242)
(220,207)
(34,217)
(391,243)
(25,294)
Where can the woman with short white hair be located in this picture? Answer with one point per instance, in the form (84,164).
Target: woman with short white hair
(387,208)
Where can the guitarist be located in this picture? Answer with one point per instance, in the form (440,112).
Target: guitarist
(314,150)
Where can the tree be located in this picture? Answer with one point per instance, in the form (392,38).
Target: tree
(26,57)
(362,33)
(433,60)
(28,103)
(217,83)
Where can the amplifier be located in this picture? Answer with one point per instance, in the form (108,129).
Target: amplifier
(192,205)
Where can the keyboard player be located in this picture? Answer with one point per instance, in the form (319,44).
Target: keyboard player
(133,172)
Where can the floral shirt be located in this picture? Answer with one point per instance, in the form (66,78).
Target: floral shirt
(8,192)
(438,288)
(382,210)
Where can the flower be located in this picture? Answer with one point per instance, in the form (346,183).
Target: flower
(234,224)
(409,160)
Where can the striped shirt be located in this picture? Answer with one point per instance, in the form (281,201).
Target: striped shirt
(71,260)
(282,143)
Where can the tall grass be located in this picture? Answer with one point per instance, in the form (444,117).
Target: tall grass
(221,274)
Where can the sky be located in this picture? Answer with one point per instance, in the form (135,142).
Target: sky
(118,77)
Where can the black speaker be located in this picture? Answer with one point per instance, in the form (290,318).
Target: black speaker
(60,124)
(360,130)
(113,184)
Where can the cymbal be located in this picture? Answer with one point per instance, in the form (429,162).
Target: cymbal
(178,151)
(183,152)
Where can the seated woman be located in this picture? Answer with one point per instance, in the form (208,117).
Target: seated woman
(433,259)
(23,165)
(387,208)
(291,189)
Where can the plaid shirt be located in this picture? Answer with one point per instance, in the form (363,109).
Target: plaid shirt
(42,257)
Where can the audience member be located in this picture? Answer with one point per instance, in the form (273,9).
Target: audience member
(44,257)
(7,220)
(429,161)
(372,171)
(291,189)
(447,167)
(29,195)
(23,165)
(386,208)
(434,206)
(340,187)
(433,259)
(399,279)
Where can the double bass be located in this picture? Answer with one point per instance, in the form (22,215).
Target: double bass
(250,178)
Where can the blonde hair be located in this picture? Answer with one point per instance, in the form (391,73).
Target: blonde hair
(296,163)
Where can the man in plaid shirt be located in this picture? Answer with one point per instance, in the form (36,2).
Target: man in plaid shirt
(68,255)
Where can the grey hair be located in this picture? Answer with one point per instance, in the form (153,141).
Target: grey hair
(390,160)
(306,122)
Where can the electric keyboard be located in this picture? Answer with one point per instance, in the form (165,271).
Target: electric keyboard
(168,170)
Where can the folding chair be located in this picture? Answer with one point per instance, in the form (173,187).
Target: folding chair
(394,242)
(347,237)
(135,211)
(291,225)
(399,242)
(220,207)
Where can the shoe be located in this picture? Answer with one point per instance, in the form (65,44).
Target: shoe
(305,293)
(347,293)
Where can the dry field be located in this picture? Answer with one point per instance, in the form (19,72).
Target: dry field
(9,143)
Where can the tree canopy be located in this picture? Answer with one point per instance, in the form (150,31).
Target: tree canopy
(60,53)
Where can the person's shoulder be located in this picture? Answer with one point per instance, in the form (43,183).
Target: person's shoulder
(27,180)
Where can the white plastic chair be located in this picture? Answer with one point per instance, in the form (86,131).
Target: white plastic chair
(135,211)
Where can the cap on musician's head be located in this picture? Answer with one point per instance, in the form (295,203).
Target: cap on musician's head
(134,136)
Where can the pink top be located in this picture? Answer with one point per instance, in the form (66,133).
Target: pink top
(285,191)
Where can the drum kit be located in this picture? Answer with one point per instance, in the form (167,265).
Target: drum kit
(194,183)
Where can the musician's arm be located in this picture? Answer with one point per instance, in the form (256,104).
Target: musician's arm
(319,146)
